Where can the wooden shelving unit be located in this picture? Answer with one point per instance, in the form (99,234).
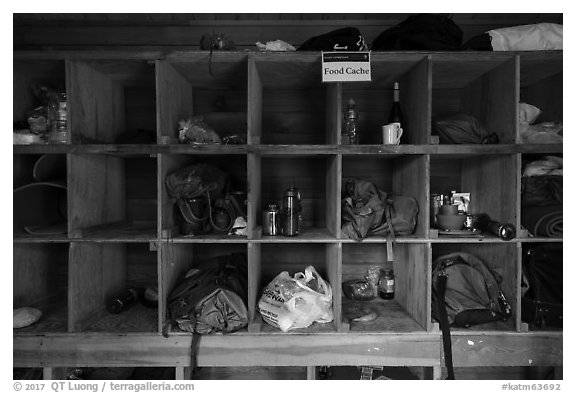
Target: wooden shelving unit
(122,228)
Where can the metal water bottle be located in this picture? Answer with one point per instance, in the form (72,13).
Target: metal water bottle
(291,212)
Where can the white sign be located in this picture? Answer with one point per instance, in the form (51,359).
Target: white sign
(346,67)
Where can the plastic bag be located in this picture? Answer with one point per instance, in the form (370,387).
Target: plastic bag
(196,131)
(296,302)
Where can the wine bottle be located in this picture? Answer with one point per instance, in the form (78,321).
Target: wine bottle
(396,112)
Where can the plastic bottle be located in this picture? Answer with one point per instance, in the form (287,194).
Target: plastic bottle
(395,111)
(350,130)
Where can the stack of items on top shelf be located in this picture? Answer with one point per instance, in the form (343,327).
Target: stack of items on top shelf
(542,197)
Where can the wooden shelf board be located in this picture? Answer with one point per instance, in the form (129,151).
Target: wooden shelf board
(392,317)
(137,319)
(315,328)
(208,238)
(122,232)
(27,238)
(541,240)
(307,235)
(54,316)
(293,150)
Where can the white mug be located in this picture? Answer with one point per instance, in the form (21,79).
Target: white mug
(391,134)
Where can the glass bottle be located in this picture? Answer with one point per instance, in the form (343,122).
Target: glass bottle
(395,111)
(350,130)
(123,301)
(386,284)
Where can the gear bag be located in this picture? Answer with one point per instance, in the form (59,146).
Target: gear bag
(542,299)
(345,39)
(210,299)
(465,292)
(368,211)
(420,32)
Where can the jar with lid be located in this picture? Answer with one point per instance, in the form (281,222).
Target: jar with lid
(386,284)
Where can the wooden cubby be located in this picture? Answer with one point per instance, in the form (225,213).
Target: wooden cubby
(122,227)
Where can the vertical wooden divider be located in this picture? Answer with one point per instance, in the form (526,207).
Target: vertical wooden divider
(97,271)
(254,181)
(333,195)
(97,108)
(174,101)
(254,104)
(333,118)
(493,100)
(416,93)
(411,177)
(492,181)
(254,274)
(175,260)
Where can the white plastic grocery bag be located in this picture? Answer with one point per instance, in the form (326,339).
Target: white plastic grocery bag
(296,302)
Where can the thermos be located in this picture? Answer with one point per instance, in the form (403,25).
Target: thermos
(291,212)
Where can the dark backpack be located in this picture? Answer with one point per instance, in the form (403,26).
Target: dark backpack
(465,292)
(420,32)
(212,298)
(345,39)
(542,300)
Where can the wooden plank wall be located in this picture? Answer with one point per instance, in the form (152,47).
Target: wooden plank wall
(184,31)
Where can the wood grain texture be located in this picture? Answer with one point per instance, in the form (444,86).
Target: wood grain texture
(174,100)
(333,113)
(492,182)
(415,95)
(508,349)
(254,188)
(97,109)
(254,285)
(97,273)
(254,104)
(96,191)
(411,178)
(493,100)
(334,278)
(229,350)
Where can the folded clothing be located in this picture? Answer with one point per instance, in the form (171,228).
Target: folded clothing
(544,221)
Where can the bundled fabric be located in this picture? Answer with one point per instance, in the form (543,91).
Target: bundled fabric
(542,190)
(420,32)
(545,132)
(546,221)
(542,299)
(368,211)
(539,36)
(345,39)
(462,129)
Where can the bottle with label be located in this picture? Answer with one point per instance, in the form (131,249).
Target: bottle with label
(386,284)
(350,128)
(395,111)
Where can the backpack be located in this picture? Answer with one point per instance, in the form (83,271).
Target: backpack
(542,298)
(420,32)
(465,292)
(195,189)
(368,211)
(212,298)
(209,299)
(345,39)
